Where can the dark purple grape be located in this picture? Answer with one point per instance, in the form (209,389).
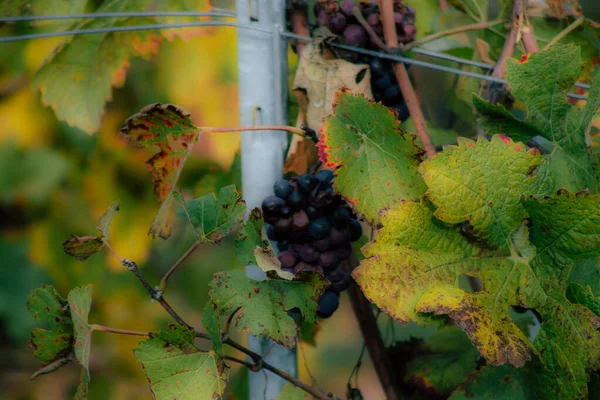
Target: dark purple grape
(340,217)
(335,275)
(319,228)
(375,21)
(347,6)
(307,182)
(287,259)
(324,176)
(355,35)
(300,220)
(321,244)
(384,82)
(377,67)
(297,200)
(314,212)
(327,259)
(328,303)
(323,19)
(299,236)
(337,236)
(308,253)
(343,253)
(272,234)
(283,225)
(392,94)
(341,285)
(398,18)
(354,230)
(272,205)
(337,23)
(282,245)
(282,188)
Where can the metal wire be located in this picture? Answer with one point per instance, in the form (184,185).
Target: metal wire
(223,14)
(393,57)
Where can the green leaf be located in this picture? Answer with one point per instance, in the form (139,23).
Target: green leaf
(80,302)
(170,129)
(106,219)
(505,382)
(376,161)
(587,273)
(82,387)
(249,237)
(176,369)
(212,219)
(291,392)
(210,321)
(541,81)
(47,306)
(262,306)
(482,182)
(76,79)
(185,5)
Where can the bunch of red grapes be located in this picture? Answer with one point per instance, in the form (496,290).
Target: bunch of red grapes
(340,19)
(314,229)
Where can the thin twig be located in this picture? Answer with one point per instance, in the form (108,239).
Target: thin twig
(372,337)
(367,27)
(291,129)
(256,367)
(163,281)
(453,31)
(564,32)
(118,331)
(412,102)
(54,365)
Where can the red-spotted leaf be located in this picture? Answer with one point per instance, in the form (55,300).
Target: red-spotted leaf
(170,129)
(80,302)
(48,307)
(377,162)
(176,369)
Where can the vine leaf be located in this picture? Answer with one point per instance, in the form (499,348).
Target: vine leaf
(82,387)
(48,307)
(212,219)
(541,81)
(82,247)
(482,182)
(77,78)
(249,238)
(176,369)
(80,302)
(263,305)
(377,162)
(171,129)
(414,266)
(506,382)
(210,320)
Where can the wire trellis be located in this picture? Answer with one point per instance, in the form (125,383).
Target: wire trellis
(227,14)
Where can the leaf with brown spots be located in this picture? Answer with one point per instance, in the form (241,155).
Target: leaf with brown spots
(263,305)
(249,237)
(176,369)
(377,162)
(171,130)
(80,302)
(48,307)
(212,219)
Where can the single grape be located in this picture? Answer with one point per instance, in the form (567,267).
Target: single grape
(307,182)
(398,18)
(335,274)
(321,244)
(375,21)
(377,67)
(327,259)
(327,304)
(391,94)
(272,204)
(323,19)
(272,234)
(341,285)
(337,23)
(297,200)
(383,82)
(286,211)
(287,259)
(355,35)
(282,188)
(340,217)
(337,236)
(282,245)
(343,253)
(354,230)
(319,228)
(324,176)
(300,220)
(347,6)
(308,253)
(283,225)
(314,212)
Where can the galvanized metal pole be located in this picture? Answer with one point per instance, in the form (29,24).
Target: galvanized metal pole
(262,65)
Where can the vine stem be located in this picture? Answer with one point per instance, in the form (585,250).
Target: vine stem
(564,32)
(118,331)
(291,129)
(258,364)
(165,278)
(408,91)
(453,31)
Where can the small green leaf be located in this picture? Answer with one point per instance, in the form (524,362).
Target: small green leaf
(82,387)
(171,129)
(106,219)
(249,237)
(377,160)
(210,321)
(47,306)
(291,392)
(212,219)
(267,260)
(176,369)
(83,247)
(263,305)
(80,302)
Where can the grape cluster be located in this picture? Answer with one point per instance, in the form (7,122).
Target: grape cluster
(341,20)
(313,228)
